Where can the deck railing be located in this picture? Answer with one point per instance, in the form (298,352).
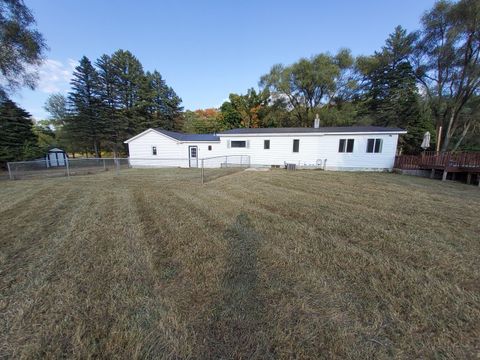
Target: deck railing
(439,160)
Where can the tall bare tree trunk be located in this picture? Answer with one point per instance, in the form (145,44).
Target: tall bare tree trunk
(464,133)
(448,131)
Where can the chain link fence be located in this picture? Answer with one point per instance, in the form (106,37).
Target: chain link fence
(218,166)
(38,169)
(205,169)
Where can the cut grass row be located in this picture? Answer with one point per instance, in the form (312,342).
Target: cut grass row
(254,265)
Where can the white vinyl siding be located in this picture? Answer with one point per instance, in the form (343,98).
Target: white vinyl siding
(359,159)
(313,150)
(168,148)
(281,149)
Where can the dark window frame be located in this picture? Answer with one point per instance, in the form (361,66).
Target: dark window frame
(370,145)
(154,150)
(374,145)
(296,145)
(266,144)
(350,145)
(209,147)
(346,145)
(237,142)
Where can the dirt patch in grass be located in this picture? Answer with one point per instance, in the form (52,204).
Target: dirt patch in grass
(305,264)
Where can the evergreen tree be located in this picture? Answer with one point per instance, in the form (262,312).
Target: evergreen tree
(116,126)
(391,96)
(112,101)
(128,75)
(166,102)
(17,139)
(158,102)
(85,124)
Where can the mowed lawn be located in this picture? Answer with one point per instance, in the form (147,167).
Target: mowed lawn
(305,264)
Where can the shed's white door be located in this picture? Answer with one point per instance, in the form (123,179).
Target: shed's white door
(61,159)
(193,156)
(53,159)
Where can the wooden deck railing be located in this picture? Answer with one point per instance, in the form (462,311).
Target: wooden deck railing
(460,161)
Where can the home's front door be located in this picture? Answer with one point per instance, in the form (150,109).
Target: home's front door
(193,156)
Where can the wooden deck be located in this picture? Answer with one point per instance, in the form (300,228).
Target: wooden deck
(448,162)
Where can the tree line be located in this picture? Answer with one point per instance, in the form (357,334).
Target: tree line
(111,100)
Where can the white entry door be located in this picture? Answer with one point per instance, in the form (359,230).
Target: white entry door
(193,156)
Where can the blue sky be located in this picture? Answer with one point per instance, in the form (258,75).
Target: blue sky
(208,49)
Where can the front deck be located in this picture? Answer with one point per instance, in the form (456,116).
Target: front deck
(447,162)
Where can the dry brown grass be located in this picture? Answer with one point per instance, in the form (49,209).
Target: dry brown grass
(303,264)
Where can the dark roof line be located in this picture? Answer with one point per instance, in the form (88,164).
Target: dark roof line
(188,137)
(292,130)
(299,130)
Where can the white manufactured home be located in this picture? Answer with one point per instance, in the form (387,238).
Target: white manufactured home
(330,148)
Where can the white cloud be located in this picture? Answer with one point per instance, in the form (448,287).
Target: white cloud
(55,76)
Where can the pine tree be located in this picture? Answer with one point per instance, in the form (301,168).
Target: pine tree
(115,100)
(85,124)
(127,76)
(115,126)
(158,102)
(392,97)
(17,139)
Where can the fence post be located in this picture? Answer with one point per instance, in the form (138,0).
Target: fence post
(10,175)
(203,169)
(68,168)
(104,167)
(226,161)
(117,167)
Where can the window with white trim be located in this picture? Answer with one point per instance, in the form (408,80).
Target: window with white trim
(154,150)
(266,144)
(374,145)
(345,145)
